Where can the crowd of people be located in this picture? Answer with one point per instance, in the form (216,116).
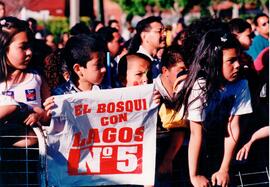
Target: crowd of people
(211,84)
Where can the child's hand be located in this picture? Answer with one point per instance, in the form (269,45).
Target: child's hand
(200,181)
(31,119)
(43,117)
(220,178)
(48,105)
(243,152)
(156,97)
(178,81)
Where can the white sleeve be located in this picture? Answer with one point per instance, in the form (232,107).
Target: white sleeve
(196,101)
(242,103)
(6,100)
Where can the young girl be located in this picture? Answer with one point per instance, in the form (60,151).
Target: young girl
(16,80)
(213,99)
(22,91)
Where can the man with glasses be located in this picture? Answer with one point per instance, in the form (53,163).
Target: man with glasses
(149,38)
(261,40)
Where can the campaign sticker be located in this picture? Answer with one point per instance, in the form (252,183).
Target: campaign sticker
(30,95)
(9,93)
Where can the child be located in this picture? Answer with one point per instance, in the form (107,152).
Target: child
(243,32)
(16,80)
(170,135)
(25,90)
(133,70)
(55,70)
(84,56)
(213,99)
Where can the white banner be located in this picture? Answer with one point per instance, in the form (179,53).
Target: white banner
(103,137)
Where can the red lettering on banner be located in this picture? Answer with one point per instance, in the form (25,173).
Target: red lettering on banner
(81,109)
(73,161)
(110,107)
(109,135)
(78,142)
(101,108)
(129,106)
(114,119)
(114,159)
(138,137)
(122,106)
(77,109)
(125,134)
(93,137)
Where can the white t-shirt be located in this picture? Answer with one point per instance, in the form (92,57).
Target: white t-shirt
(6,100)
(27,92)
(159,86)
(165,95)
(234,99)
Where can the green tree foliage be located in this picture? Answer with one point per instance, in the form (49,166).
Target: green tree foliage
(57,25)
(137,7)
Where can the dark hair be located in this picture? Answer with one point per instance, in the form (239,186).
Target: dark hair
(79,28)
(54,69)
(9,27)
(180,36)
(171,56)
(2,3)
(79,49)
(255,21)
(238,25)
(207,64)
(32,24)
(112,21)
(122,66)
(141,26)
(181,21)
(195,31)
(107,33)
(94,25)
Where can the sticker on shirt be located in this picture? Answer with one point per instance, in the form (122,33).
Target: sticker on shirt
(8,93)
(31,95)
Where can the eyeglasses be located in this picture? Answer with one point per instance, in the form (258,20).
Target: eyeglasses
(159,31)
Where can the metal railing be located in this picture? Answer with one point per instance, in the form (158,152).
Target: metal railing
(23,166)
(31,170)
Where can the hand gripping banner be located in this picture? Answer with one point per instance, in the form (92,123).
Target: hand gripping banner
(103,137)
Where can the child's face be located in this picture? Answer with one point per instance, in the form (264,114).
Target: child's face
(171,73)
(95,69)
(245,39)
(137,69)
(230,67)
(19,53)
